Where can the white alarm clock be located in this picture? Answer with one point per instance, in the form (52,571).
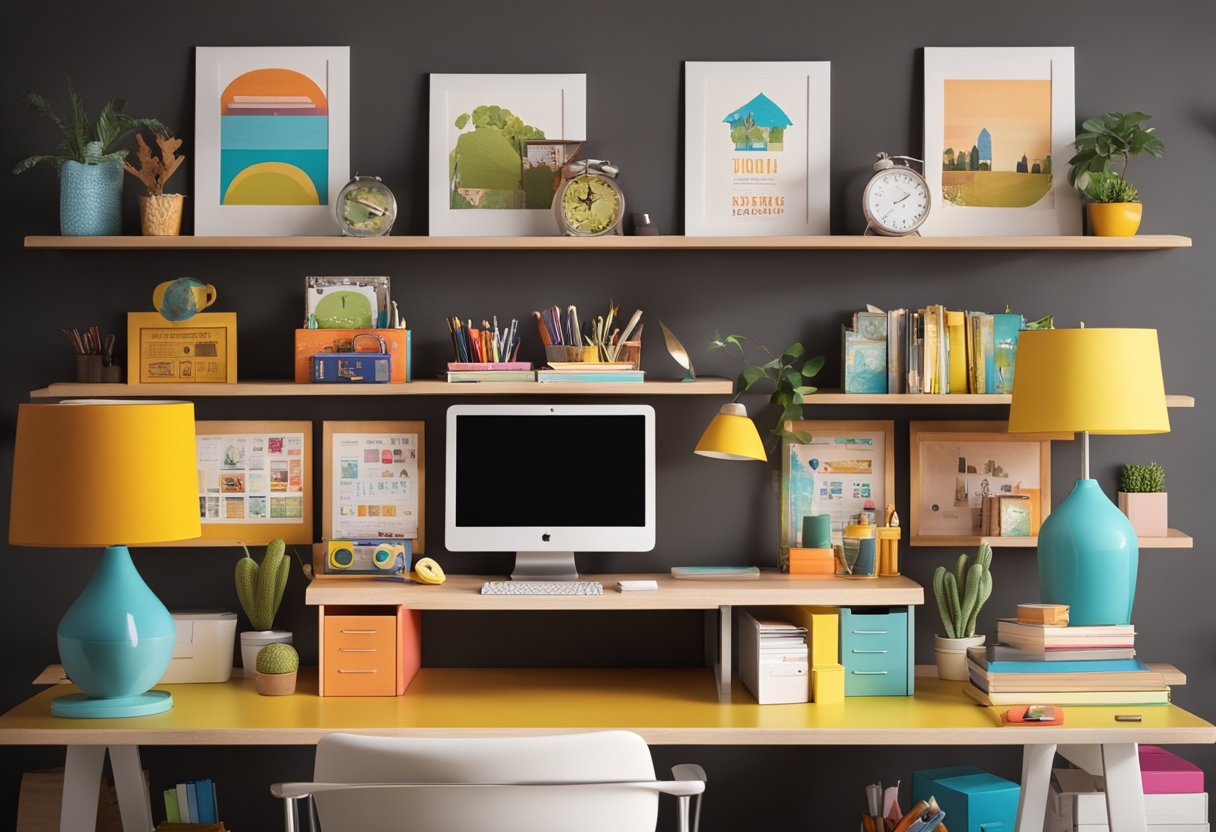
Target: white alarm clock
(896,200)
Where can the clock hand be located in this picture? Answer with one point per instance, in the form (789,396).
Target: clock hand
(902,198)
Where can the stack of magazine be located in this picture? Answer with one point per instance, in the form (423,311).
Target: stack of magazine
(590,371)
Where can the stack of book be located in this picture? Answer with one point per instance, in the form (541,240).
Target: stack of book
(607,371)
(469,371)
(192,802)
(930,350)
(1059,665)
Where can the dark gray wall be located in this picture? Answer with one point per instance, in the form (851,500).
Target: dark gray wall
(709,511)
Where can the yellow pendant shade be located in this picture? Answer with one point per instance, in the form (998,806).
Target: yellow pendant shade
(1096,380)
(104,473)
(732,435)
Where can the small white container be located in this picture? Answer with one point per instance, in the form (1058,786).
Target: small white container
(202,647)
(252,642)
(952,656)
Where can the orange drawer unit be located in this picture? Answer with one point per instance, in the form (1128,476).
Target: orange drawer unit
(368,651)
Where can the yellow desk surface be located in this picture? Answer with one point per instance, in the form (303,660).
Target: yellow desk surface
(462,592)
(665,706)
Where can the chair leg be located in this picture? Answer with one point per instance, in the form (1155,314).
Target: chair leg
(291,814)
(682,812)
(313,820)
(81,782)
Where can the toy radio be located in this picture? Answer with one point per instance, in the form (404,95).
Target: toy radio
(368,557)
(354,367)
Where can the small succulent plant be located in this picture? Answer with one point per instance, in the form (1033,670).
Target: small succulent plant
(961,594)
(277,659)
(260,586)
(1142,479)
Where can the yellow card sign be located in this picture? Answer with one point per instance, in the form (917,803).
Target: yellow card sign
(202,349)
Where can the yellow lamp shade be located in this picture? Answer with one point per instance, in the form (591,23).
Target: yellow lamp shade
(104,473)
(732,435)
(1096,380)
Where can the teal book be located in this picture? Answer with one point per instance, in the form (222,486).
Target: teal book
(1005,329)
(1087,666)
(865,363)
(172,813)
(628,376)
(206,801)
(192,802)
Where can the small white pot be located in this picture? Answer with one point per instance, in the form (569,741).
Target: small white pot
(252,642)
(952,656)
(1148,512)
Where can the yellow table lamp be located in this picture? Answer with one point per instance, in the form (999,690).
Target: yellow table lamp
(106,474)
(732,435)
(1088,381)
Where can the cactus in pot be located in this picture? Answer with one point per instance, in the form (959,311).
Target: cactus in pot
(960,596)
(260,590)
(277,665)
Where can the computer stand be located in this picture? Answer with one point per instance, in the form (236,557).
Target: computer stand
(544,566)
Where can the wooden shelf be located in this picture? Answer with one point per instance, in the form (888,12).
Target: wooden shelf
(835,397)
(1174,539)
(1145,242)
(462,592)
(700,387)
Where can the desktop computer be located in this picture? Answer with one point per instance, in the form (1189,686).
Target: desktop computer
(546,481)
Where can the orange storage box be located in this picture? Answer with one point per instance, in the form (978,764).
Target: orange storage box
(812,563)
(368,651)
(309,342)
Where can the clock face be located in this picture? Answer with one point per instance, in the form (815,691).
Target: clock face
(897,201)
(591,205)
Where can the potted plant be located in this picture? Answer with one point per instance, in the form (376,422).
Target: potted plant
(260,590)
(277,665)
(160,214)
(89,161)
(1143,499)
(960,595)
(788,373)
(1114,203)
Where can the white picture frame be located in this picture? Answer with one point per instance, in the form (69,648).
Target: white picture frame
(218,67)
(1058,210)
(743,190)
(555,104)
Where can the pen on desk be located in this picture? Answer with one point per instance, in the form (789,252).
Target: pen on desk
(1128,717)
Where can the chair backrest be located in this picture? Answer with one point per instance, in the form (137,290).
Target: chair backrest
(597,757)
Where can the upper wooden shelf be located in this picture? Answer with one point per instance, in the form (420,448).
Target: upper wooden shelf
(1173,539)
(825,396)
(462,592)
(1144,242)
(700,387)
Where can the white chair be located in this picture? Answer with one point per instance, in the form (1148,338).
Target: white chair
(591,782)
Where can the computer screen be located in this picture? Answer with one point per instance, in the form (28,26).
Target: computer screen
(550,478)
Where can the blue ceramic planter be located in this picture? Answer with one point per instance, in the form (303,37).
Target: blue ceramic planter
(90,199)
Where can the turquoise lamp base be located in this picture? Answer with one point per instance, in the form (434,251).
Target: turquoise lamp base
(79,706)
(115,642)
(1088,556)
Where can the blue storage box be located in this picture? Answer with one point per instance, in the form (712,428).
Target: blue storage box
(973,800)
(876,651)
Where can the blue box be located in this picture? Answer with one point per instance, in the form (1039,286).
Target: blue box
(876,649)
(973,800)
(351,368)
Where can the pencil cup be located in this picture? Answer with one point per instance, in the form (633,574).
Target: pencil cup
(563,352)
(111,374)
(817,531)
(88,368)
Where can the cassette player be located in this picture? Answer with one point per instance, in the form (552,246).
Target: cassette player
(368,557)
(355,367)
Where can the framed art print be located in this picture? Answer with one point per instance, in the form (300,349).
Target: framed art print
(478,185)
(969,478)
(846,465)
(999,126)
(374,481)
(272,139)
(757,141)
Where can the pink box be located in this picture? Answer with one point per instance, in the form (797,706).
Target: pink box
(1165,773)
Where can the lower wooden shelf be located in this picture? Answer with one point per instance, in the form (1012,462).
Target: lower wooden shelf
(1174,539)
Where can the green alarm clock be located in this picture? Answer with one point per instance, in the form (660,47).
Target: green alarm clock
(366,207)
(589,202)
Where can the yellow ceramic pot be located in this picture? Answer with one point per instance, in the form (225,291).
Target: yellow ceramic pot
(1114,219)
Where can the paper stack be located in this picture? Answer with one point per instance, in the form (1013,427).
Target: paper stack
(773,659)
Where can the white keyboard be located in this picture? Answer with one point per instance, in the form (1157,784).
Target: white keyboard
(542,588)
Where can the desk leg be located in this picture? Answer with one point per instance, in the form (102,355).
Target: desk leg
(1124,788)
(723,664)
(132,791)
(1036,780)
(81,787)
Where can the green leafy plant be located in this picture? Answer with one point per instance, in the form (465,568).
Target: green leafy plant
(961,594)
(1142,479)
(1101,143)
(260,586)
(277,659)
(84,140)
(787,372)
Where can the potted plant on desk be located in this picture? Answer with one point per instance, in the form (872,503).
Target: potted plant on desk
(277,665)
(260,590)
(1114,203)
(1143,499)
(960,595)
(160,214)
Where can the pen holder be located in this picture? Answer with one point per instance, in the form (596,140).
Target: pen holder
(858,557)
(111,374)
(88,369)
(630,354)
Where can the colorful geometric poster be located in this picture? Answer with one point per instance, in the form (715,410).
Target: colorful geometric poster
(757,148)
(272,132)
(274,139)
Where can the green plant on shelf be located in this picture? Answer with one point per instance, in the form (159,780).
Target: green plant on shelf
(961,594)
(787,372)
(277,659)
(1142,479)
(260,586)
(1101,143)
